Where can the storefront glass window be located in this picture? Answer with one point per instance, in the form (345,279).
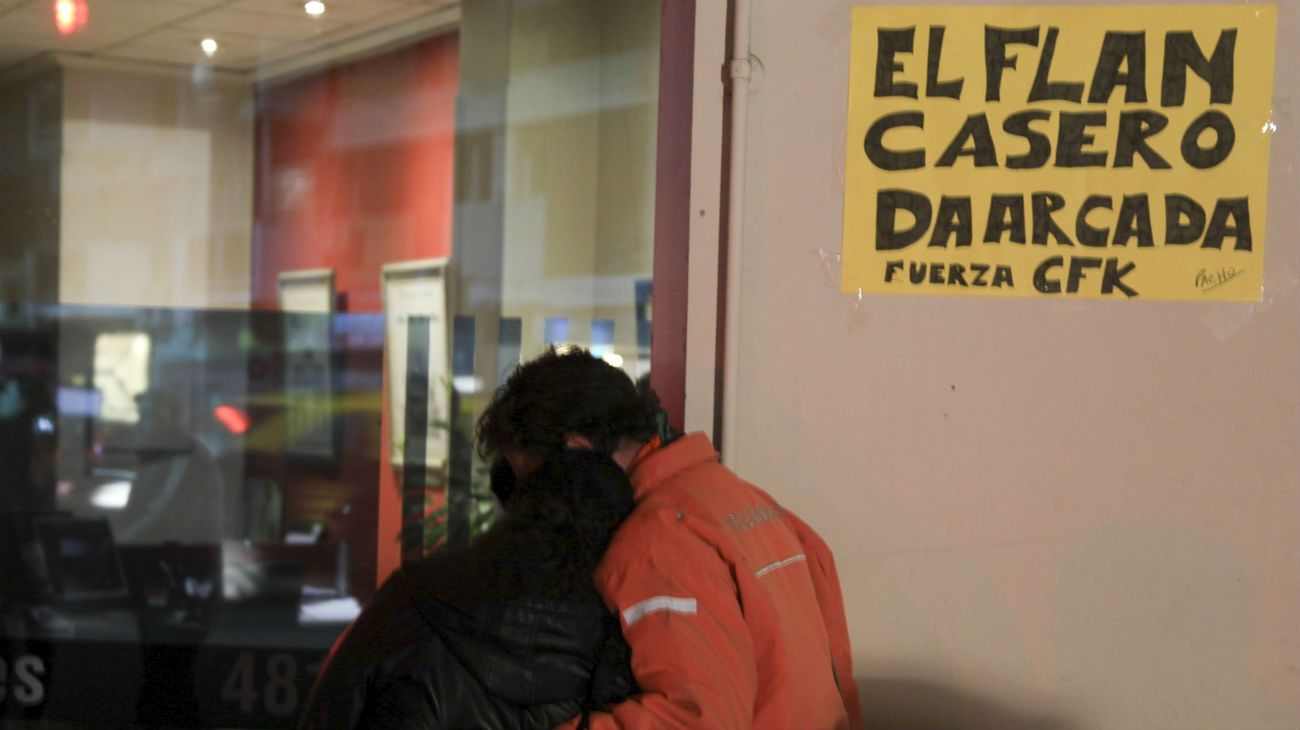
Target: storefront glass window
(261,267)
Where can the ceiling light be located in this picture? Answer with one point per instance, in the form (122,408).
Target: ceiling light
(70,15)
(314,7)
(208,45)
(235,420)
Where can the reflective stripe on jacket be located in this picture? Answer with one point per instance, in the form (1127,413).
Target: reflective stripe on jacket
(730,603)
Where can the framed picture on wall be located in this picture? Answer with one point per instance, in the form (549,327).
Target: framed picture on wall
(307,299)
(417,289)
(309,291)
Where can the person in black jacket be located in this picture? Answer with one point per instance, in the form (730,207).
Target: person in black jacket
(508,633)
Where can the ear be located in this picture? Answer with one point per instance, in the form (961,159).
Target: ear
(578,441)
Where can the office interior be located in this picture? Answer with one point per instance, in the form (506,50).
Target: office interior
(261,265)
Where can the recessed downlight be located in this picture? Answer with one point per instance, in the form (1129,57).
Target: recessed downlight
(314,7)
(209,46)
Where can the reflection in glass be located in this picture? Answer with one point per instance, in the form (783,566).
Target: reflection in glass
(171,405)
(121,370)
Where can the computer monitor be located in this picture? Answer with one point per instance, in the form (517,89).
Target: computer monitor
(24,578)
(81,559)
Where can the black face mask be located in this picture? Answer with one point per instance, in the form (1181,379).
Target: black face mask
(502,480)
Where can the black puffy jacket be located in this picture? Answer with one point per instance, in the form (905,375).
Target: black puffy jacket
(507,634)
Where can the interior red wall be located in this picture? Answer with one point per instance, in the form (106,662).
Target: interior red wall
(354,170)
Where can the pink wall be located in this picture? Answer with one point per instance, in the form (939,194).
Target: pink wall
(1070,513)
(354,170)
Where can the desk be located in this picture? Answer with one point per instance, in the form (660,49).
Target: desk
(114,670)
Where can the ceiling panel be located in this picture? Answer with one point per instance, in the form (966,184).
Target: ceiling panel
(193,3)
(347,10)
(250,32)
(177,46)
(12,53)
(142,13)
(260,25)
(31,24)
(391,14)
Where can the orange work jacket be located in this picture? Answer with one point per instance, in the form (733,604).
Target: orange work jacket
(730,603)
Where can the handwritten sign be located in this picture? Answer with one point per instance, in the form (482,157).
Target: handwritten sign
(1060,151)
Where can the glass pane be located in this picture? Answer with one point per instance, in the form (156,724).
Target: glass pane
(260,271)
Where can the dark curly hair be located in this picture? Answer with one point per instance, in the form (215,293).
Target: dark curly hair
(557,525)
(565,392)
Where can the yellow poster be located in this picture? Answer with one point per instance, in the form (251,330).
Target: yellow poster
(1059,151)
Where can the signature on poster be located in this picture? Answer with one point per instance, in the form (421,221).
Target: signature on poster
(1211,280)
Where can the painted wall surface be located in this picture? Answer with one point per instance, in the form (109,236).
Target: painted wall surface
(581,116)
(1046,513)
(31,146)
(354,170)
(156,188)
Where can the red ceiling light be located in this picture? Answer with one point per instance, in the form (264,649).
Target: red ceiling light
(235,420)
(70,15)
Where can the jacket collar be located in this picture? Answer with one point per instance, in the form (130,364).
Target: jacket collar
(665,461)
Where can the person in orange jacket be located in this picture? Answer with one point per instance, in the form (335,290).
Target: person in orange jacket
(730,603)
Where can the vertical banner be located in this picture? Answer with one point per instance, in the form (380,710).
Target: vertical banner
(307,298)
(417,289)
(1081,150)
